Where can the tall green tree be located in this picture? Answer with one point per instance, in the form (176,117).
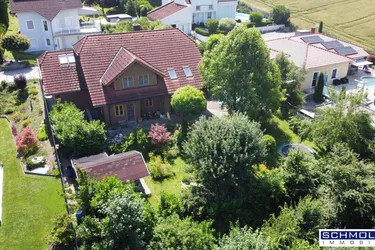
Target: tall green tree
(345,122)
(175,233)
(281,14)
(318,92)
(251,84)
(321,27)
(4,18)
(74,132)
(292,77)
(131,7)
(256,17)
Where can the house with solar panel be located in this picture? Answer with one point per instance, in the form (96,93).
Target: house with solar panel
(54,24)
(317,53)
(182,14)
(121,77)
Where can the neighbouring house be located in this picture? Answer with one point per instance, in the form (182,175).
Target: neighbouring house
(128,166)
(316,53)
(54,24)
(121,77)
(182,14)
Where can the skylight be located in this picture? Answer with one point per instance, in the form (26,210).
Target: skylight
(187,71)
(172,74)
(66,59)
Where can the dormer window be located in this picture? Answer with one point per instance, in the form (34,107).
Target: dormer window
(66,59)
(187,71)
(143,80)
(172,74)
(127,82)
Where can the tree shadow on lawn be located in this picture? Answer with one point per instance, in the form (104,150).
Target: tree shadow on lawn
(280,135)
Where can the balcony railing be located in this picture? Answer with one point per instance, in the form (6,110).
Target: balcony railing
(86,27)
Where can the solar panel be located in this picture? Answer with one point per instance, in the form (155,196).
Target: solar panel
(332,44)
(345,50)
(312,39)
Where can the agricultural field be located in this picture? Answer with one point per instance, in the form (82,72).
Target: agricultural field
(352,21)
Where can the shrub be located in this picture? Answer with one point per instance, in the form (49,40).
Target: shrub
(213,41)
(26,141)
(43,134)
(227,24)
(243,7)
(9,111)
(1,53)
(3,85)
(20,81)
(318,92)
(281,14)
(256,17)
(159,134)
(202,47)
(301,127)
(26,123)
(14,131)
(201,24)
(202,31)
(30,164)
(321,27)
(15,43)
(270,143)
(169,204)
(159,168)
(33,91)
(187,179)
(188,101)
(212,26)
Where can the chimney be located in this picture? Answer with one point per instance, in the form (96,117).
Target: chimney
(313,30)
(136,27)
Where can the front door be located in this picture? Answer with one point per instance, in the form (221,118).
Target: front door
(130,112)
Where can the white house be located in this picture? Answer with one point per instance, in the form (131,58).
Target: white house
(53,24)
(183,13)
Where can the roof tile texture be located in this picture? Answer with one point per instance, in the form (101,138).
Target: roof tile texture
(165,11)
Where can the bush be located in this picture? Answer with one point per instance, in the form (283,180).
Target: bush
(15,43)
(8,111)
(202,47)
(281,14)
(213,41)
(227,24)
(20,81)
(159,169)
(301,127)
(159,134)
(202,32)
(33,92)
(243,7)
(169,204)
(14,131)
(43,134)
(26,141)
(270,143)
(188,101)
(201,24)
(26,123)
(212,26)
(30,164)
(3,84)
(256,17)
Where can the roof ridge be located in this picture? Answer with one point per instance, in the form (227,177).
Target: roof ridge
(160,7)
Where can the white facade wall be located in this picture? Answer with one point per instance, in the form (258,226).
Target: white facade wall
(38,36)
(226,9)
(66,19)
(182,19)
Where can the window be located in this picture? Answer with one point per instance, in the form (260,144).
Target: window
(143,80)
(30,24)
(198,7)
(209,15)
(187,71)
(334,74)
(127,82)
(45,25)
(119,110)
(172,74)
(315,78)
(210,7)
(48,42)
(148,102)
(66,59)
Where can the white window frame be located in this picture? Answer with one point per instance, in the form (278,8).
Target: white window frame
(36,43)
(337,71)
(317,78)
(122,113)
(209,15)
(149,102)
(174,72)
(27,26)
(187,68)
(127,86)
(44,20)
(50,42)
(142,83)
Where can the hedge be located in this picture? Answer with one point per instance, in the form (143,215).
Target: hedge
(264,23)
(201,31)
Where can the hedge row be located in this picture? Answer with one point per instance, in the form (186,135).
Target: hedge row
(264,23)
(202,32)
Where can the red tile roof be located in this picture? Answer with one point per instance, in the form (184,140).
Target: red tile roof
(128,166)
(59,78)
(165,11)
(46,8)
(163,49)
(123,60)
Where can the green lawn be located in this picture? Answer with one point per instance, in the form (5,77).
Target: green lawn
(30,203)
(170,185)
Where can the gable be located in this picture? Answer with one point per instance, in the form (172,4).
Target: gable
(135,70)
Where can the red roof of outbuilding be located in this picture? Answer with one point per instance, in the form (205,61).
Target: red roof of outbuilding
(59,78)
(46,8)
(128,166)
(165,11)
(162,49)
